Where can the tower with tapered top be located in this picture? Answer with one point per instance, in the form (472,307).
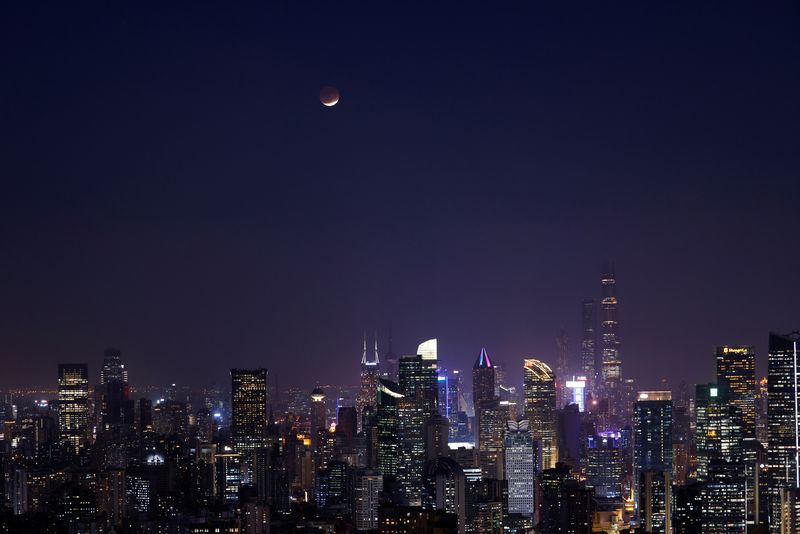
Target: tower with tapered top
(370,373)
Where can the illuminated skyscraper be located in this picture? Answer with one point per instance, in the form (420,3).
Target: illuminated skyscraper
(113,369)
(736,377)
(444,486)
(318,415)
(368,486)
(388,397)
(782,426)
(589,367)
(540,408)
(73,404)
(611,372)
(483,379)
(418,381)
(521,456)
(249,410)
(604,469)
(718,429)
(370,373)
(652,446)
(429,351)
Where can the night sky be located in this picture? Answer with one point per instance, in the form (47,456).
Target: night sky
(172,186)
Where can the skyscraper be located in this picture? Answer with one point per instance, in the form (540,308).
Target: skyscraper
(113,369)
(418,381)
(318,415)
(482,379)
(604,468)
(736,376)
(388,396)
(652,444)
(445,489)
(370,372)
(540,407)
(611,372)
(520,467)
(368,486)
(782,424)
(589,342)
(249,410)
(73,404)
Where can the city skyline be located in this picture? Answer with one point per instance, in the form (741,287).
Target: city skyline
(186,195)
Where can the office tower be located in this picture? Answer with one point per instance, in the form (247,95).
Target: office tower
(718,428)
(521,455)
(762,409)
(73,404)
(568,436)
(389,394)
(736,376)
(562,369)
(652,441)
(336,488)
(437,433)
(347,424)
(687,513)
(113,368)
(419,384)
(611,372)
(249,410)
(589,352)
(604,465)
(444,489)
(782,425)
(369,382)
(655,500)
(318,416)
(493,417)
(565,505)
(723,499)
(540,406)
(429,351)
(575,392)
(368,487)
(483,380)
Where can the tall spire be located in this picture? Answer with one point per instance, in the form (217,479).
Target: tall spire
(377,359)
(483,360)
(364,354)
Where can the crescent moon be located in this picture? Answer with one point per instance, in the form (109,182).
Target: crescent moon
(329,96)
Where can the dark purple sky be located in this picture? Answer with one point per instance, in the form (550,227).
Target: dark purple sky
(172,186)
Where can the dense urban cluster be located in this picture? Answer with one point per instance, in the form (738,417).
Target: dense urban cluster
(414,447)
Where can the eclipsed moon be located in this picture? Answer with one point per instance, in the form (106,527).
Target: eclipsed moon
(329,96)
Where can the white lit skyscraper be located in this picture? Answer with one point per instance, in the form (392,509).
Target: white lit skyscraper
(73,404)
(520,469)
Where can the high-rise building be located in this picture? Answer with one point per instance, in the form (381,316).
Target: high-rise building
(73,404)
(370,373)
(493,417)
(565,505)
(249,410)
(368,486)
(604,466)
(483,379)
(318,415)
(655,500)
(736,376)
(589,367)
(419,384)
(652,440)
(718,428)
(540,408)
(388,397)
(429,351)
(113,369)
(783,428)
(444,486)
(611,367)
(521,457)
(723,499)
